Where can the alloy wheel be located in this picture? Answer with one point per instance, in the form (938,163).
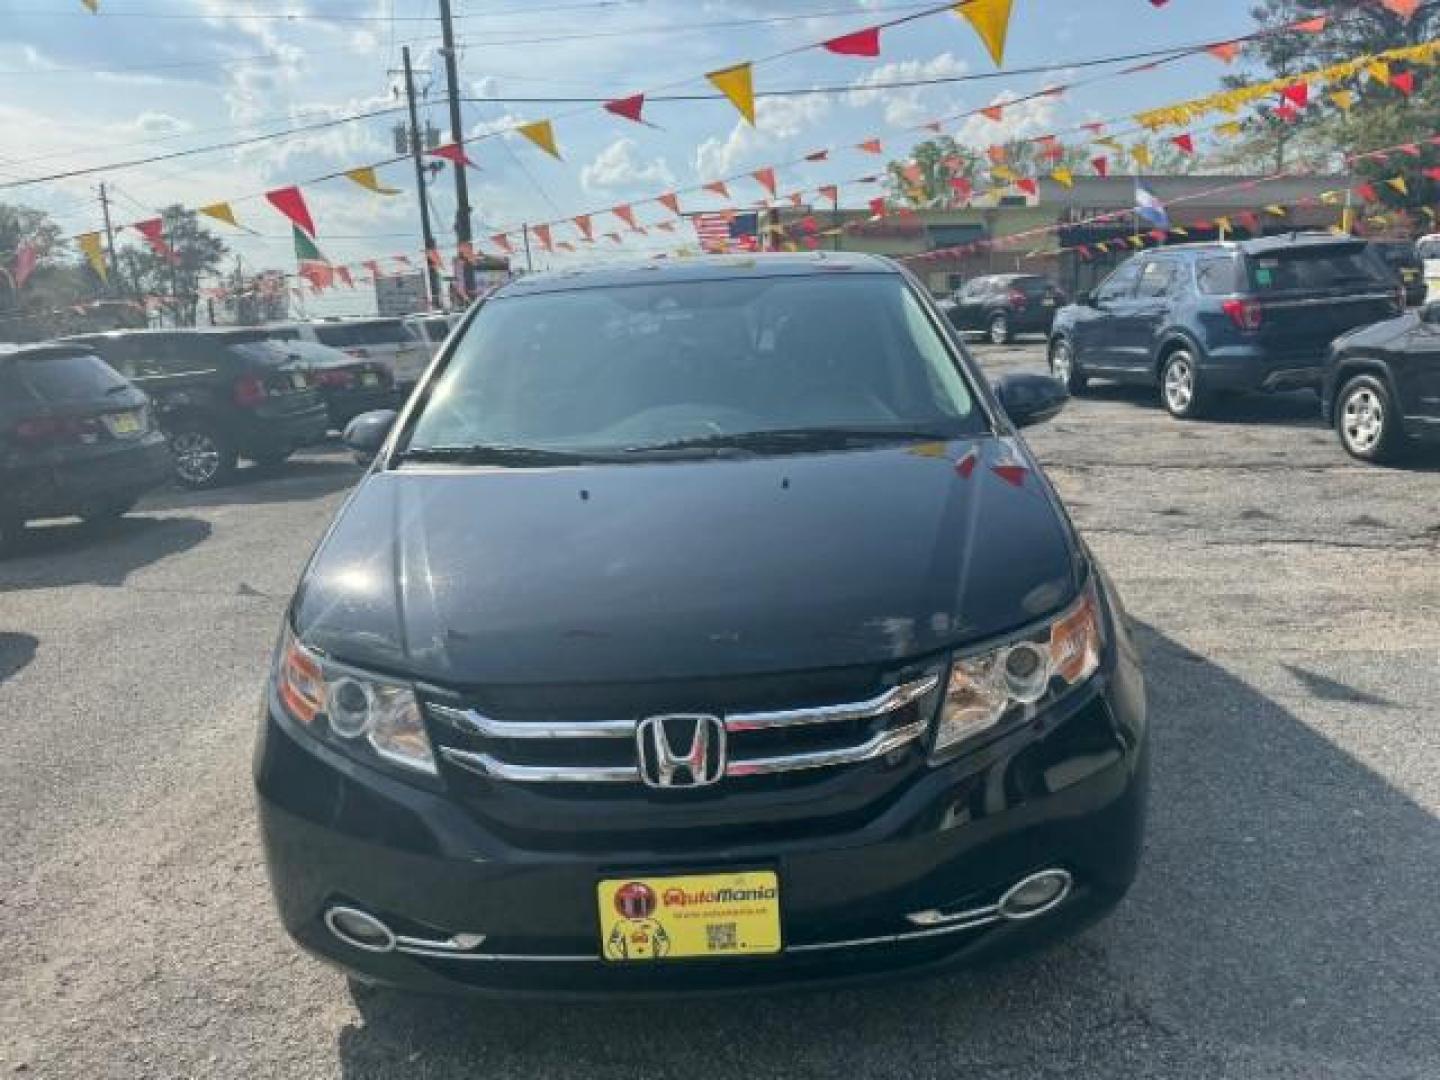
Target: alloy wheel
(197,456)
(999,330)
(1363,420)
(1179,383)
(1061,362)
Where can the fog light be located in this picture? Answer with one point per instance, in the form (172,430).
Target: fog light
(1035,895)
(360,929)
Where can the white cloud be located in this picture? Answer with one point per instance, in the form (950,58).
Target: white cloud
(617,167)
(1035,116)
(904,107)
(154,124)
(777,120)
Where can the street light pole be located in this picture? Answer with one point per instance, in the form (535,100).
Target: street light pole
(457,135)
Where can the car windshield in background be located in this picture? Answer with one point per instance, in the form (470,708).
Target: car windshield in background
(747,362)
(67,377)
(1315,268)
(360,334)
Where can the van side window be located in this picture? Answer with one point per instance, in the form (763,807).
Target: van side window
(1217,277)
(1156,279)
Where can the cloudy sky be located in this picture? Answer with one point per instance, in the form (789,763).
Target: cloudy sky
(149,77)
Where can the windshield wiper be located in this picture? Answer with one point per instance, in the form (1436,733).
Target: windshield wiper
(483,454)
(781,440)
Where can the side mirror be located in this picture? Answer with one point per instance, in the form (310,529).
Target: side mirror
(1030,399)
(1430,313)
(366,434)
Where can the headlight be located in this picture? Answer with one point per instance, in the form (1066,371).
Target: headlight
(1020,677)
(353,709)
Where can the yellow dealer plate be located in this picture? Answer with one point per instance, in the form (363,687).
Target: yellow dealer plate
(676,918)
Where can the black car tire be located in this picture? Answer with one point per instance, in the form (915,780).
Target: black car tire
(997,329)
(1366,420)
(203,455)
(1064,367)
(1181,390)
(108,511)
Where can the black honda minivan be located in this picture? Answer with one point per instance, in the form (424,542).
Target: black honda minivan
(700,625)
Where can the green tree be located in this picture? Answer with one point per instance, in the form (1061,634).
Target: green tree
(175,279)
(923,179)
(40,306)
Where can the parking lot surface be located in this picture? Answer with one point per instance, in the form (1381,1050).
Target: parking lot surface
(1286,922)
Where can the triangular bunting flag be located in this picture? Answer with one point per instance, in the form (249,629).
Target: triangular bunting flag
(343,273)
(1185,142)
(582,222)
(1404,8)
(829,191)
(502,241)
(1297,93)
(736,84)
(1101,165)
(220,211)
(1398,184)
(542,134)
(625,214)
(453,153)
(1230,129)
(1310,26)
(1404,81)
(1365,192)
(153,231)
(877,206)
(718,187)
(1027,185)
(870,146)
(291,203)
(366,178)
(1343,99)
(860,43)
(993,112)
(90,244)
(628,107)
(991,20)
(1225,51)
(766,179)
(1379,70)
(1063,176)
(670,201)
(818,155)
(1140,154)
(542,234)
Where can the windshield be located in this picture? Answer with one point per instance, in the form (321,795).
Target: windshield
(636,367)
(67,377)
(350,335)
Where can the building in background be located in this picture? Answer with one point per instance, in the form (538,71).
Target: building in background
(400,294)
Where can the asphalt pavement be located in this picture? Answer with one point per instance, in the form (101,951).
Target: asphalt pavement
(1286,922)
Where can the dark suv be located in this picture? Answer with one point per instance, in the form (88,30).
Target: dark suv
(220,395)
(703,624)
(1200,319)
(75,438)
(1004,305)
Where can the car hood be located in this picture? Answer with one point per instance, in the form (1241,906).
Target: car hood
(472,575)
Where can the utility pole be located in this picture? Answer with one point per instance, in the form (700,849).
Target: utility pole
(432,276)
(457,135)
(109,236)
(525,232)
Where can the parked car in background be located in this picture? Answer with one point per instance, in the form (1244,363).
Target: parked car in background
(430,330)
(75,437)
(349,385)
(1200,320)
(1401,257)
(220,395)
(382,339)
(1382,385)
(1003,305)
(706,628)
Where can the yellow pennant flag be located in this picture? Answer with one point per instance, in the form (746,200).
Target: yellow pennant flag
(1276,210)
(220,211)
(1398,183)
(1329,198)
(90,244)
(542,134)
(991,20)
(1136,242)
(1176,230)
(1140,154)
(93,5)
(736,84)
(1063,176)
(1379,70)
(1231,129)
(1224,225)
(366,178)
(1343,99)
(1003,172)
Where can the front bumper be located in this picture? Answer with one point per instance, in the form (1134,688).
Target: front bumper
(1066,791)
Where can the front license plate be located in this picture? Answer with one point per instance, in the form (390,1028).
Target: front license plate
(677,918)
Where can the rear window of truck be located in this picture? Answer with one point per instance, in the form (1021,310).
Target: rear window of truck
(1315,268)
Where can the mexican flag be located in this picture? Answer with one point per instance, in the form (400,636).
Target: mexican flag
(314,267)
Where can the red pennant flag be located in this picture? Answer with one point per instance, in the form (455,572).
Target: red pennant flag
(993,112)
(809,224)
(817,155)
(565,245)
(877,206)
(1248,218)
(628,107)
(811,242)
(582,222)
(26,257)
(996,154)
(343,273)
(373,265)
(1094,129)
(1224,51)
(828,191)
(1310,26)
(453,153)
(797,199)
(1102,166)
(1433,173)
(962,187)
(1287,112)
(403,260)
(154,233)
(665,226)
(1404,82)
(860,43)
(1184,142)
(718,187)
(502,241)
(1297,93)
(1158,235)
(542,234)
(1365,192)
(1027,185)
(870,146)
(615,237)
(291,203)
(1410,148)
(670,201)
(765,178)
(625,214)
(1404,8)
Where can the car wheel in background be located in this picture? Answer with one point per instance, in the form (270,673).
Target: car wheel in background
(1180,389)
(107,511)
(999,329)
(1065,369)
(1366,421)
(203,457)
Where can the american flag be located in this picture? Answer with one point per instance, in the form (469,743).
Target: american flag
(726,231)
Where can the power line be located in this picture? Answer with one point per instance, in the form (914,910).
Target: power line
(315,16)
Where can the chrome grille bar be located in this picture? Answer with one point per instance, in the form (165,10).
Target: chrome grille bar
(891,700)
(493,767)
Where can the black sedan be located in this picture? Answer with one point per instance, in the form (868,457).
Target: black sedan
(1003,305)
(1382,385)
(75,438)
(349,385)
